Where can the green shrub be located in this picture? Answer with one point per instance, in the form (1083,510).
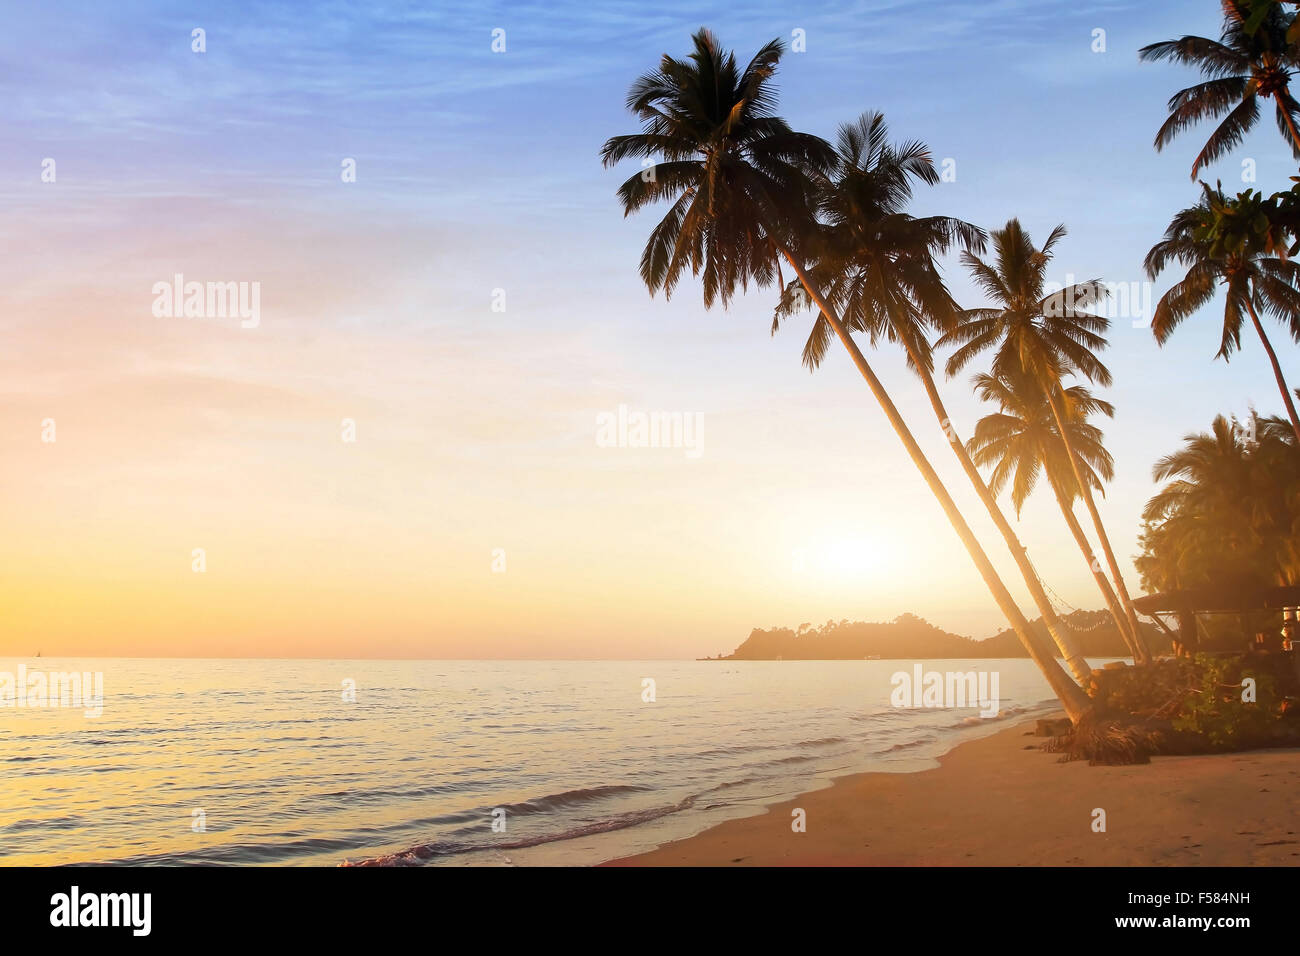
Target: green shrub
(1156,690)
(1215,709)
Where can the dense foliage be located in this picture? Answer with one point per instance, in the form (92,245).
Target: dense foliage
(1229,515)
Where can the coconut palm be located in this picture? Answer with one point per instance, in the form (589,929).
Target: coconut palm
(1021,443)
(1047,336)
(1241,67)
(1229,510)
(875,265)
(1253,281)
(737,180)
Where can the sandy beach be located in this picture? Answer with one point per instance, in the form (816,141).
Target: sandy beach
(1000,801)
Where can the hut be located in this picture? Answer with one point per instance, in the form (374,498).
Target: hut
(1179,613)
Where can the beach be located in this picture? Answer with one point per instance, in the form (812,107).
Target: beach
(581,770)
(1000,801)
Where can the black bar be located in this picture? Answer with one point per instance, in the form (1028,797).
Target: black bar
(928,906)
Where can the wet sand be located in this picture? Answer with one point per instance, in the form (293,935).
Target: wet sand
(1000,801)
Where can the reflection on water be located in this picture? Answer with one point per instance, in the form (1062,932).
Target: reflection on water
(229,761)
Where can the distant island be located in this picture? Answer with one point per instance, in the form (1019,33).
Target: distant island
(911,637)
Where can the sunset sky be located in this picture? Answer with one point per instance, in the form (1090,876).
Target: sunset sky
(476,429)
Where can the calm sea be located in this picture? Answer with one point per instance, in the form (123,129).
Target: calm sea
(266,762)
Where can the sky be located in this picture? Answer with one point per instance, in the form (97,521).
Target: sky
(470,306)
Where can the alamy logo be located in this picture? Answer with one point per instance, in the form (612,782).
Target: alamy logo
(84,689)
(946,689)
(632,429)
(208,300)
(133,910)
(1111,300)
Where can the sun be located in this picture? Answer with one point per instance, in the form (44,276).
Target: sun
(844,558)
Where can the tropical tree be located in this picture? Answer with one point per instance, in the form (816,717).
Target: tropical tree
(1020,443)
(875,265)
(1256,13)
(1253,281)
(1047,337)
(737,179)
(1252,59)
(1230,511)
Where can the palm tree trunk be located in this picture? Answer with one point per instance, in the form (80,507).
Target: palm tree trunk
(1069,650)
(1277,369)
(1094,566)
(1077,704)
(1085,492)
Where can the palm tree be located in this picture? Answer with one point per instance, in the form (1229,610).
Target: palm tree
(1044,336)
(1253,281)
(1240,67)
(737,178)
(875,264)
(1230,508)
(1020,442)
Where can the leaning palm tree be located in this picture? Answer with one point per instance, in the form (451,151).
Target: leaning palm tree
(737,180)
(1045,336)
(1241,67)
(875,265)
(1020,442)
(1253,281)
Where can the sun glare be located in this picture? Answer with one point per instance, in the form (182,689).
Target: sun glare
(849,557)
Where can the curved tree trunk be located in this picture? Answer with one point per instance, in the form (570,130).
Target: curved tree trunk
(1277,369)
(1077,704)
(1064,640)
(1094,566)
(1086,494)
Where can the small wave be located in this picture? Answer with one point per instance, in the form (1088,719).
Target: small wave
(892,714)
(793,758)
(568,798)
(730,751)
(422,853)
(237,853)
(907,745)
(49,823)
(374,794)
(1004,713)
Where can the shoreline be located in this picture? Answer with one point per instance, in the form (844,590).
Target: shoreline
(1000,801)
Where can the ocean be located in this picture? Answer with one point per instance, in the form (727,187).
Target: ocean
(305,762)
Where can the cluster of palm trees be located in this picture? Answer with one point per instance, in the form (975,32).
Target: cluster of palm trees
(1229,515)
(1238,245)
(748,196)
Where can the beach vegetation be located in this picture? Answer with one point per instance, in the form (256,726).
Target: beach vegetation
(748,196)
(1228,515)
